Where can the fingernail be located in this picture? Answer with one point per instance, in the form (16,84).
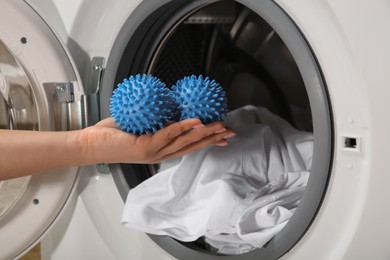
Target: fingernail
(222,143)
(220,131)
(198,126)
(230,135)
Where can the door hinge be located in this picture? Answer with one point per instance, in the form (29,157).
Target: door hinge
(66,111)
(90,101)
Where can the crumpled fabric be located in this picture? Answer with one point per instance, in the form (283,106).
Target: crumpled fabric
(236,197)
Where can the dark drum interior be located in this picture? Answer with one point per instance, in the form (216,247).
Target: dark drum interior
(234,46)
(237,48)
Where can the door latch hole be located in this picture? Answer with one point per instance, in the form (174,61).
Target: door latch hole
(352,143)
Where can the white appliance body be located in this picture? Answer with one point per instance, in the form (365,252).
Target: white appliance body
(350,42)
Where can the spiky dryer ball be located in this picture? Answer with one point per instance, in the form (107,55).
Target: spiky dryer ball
(201,98)
(142,104)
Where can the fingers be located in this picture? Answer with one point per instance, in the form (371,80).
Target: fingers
(222,142)
(165,135)
(218,139)
(171,141)
(108,122)
(191,136)
(197,138)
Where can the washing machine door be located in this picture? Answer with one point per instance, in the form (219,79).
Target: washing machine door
(39,91)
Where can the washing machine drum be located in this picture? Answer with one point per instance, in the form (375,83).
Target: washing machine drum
(258,55)
(39,89)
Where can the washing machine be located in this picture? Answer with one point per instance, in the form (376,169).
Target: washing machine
(322,65)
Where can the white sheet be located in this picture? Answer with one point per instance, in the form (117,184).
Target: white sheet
(237,197)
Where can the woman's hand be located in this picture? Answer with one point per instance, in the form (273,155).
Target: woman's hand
(104,142)
(33,152)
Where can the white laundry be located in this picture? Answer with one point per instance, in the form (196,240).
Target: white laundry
(237,197)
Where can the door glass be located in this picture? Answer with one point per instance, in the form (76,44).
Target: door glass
(18,111)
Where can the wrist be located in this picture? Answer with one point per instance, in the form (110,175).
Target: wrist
(77,142)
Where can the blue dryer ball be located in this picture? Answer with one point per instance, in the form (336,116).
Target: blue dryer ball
(201,98)
(142,104)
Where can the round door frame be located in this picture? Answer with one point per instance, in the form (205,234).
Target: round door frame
(142,33)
